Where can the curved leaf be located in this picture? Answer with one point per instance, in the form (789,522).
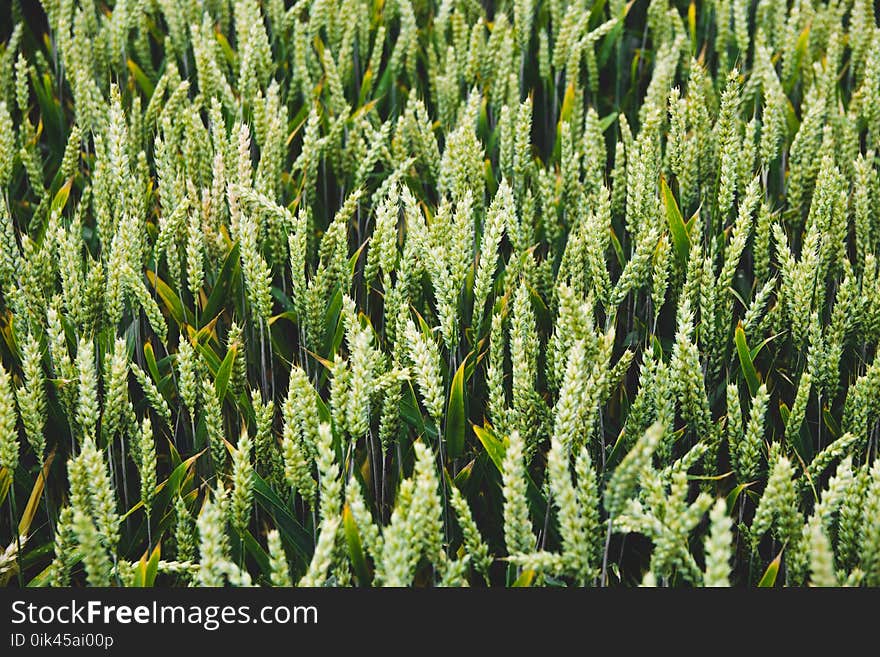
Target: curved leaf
(768,580)
(745,361)
(681,240)
(355,551)
(455,414)
(224,372)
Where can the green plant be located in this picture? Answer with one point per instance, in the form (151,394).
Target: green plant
(432,293)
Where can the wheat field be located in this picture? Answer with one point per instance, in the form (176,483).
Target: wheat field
(418,293)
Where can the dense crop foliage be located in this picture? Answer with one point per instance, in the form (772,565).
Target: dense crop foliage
(404,292)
